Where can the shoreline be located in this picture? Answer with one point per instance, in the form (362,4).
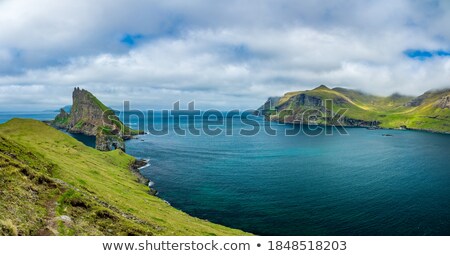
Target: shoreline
(368,127)
(135,168)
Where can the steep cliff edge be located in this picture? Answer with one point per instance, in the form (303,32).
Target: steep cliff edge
(430,111)
(91,117)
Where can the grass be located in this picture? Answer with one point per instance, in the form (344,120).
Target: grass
(46,174)
(390,112)
(61,120)
(100,104)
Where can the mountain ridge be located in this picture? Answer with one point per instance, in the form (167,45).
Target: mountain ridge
(429,111)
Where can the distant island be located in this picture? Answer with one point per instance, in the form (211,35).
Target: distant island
(429,112)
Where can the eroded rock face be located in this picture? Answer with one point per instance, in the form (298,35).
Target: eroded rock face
(444,102)
(301,100)
(86,114)
(61,118)
(109,142)
(91,117)
(270,103)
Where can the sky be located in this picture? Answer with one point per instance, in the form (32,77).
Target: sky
(221,54)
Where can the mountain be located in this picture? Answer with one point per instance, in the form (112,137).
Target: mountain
(90,116)
(52,184)
(66,108)
(430,111)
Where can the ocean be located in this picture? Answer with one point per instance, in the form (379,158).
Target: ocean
(362,183)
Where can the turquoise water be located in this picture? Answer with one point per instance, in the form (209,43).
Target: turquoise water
(358,184)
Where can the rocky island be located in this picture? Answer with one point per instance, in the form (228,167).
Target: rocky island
(91,117)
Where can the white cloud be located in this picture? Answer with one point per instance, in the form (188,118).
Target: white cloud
(220,55)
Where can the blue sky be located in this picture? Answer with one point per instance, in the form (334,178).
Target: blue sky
(228,54)
(425,54)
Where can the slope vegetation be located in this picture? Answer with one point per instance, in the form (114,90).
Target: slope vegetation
(51,184)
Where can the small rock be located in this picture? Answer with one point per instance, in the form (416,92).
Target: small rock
(66,219)
(152,192)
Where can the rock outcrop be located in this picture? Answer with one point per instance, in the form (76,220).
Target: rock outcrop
(270,103)
(91,117)
(444,102)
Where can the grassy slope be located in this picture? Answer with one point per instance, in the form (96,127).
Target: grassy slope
(46,173)
(424,117)
(390,111)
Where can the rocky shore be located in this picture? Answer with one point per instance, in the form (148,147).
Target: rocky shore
(135,167)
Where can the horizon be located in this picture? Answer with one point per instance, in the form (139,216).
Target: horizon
(217,54)
(116,107)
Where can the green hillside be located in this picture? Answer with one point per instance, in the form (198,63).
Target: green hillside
(51,184)
(430,111)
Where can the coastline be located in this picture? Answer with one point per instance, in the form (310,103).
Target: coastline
(366,127)
(107,195)
(135,168)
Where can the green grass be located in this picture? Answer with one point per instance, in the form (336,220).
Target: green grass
(46,174)
(100,104)
(112,117)
(79,124)
(60,120)
(391,111)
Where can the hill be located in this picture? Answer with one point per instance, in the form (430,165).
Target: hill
(430,111)
(51,184)
(90,116)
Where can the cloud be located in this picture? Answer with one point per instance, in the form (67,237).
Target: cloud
(223,55)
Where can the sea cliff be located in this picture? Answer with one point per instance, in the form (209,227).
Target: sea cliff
(91,117)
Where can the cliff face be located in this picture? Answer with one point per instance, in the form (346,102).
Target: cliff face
(86,115)
(91,117)
(270,103)
(308,107)
(430,111)
(444,102)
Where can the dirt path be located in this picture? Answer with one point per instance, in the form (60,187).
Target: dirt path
(51,226)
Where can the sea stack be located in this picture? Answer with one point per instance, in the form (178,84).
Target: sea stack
(91,117)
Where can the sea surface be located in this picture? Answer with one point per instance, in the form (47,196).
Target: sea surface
(362,183)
